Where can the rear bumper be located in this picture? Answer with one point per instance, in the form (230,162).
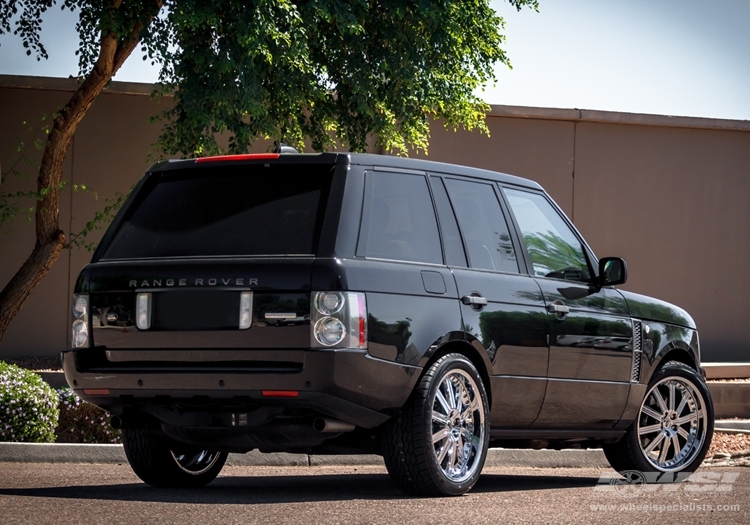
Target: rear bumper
(349,385)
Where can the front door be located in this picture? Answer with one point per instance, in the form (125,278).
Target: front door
(590,330)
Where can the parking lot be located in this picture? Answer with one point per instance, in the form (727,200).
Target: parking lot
(77,493)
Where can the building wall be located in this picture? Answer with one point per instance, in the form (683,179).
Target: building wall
(670,195)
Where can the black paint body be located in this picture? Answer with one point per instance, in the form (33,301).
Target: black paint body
(552,381)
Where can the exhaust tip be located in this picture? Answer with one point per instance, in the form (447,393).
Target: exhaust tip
(323,424)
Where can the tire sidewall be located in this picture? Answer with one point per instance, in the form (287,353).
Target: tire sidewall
(444,366)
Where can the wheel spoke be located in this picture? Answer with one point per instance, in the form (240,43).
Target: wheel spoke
(473,407)
(684,433)
(454,455)
(461,394)
(650,412)
(681,407)
(443,433)
(676,446)
(443,451)
(664,451)
(687,418)
(654,443)
(451,393)
(672,389)
(460,448)
(649,429)
(443,402)
(437,417)
(659,399)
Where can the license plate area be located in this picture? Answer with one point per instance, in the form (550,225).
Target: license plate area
(195,310)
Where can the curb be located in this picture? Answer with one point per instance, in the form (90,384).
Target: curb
(739,426)
(114,454)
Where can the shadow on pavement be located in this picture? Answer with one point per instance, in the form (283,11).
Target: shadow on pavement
(287,489)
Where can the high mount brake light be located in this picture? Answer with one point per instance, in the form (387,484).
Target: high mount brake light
(246,156)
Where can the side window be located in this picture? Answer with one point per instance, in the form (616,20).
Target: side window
(483,225)
(398,220)
(454,248)
(554,249)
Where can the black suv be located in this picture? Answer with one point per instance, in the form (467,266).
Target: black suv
(352,303)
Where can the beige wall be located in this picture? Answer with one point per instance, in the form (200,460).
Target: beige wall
(670,195)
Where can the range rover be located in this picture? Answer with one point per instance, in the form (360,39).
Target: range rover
(353,303)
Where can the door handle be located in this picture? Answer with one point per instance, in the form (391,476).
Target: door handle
(558,309)
(474,300)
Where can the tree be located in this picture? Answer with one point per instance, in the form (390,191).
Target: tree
(316,70)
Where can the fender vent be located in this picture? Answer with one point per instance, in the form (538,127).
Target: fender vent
(635,372)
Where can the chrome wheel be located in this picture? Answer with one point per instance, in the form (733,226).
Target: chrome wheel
(458,426)
(195,462)
(672,424)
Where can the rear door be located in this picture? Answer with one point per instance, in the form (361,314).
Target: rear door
(502,309)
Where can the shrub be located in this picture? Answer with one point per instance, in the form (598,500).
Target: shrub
(82,422)
(28,406)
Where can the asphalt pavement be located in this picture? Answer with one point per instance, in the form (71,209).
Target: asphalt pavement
(34,493)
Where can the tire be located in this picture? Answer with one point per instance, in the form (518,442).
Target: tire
(163,462)
(449,405)
(673,429)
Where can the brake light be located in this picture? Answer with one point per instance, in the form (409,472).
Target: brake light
(244,156)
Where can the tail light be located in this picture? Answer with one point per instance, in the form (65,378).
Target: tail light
(338,320)
(80,327)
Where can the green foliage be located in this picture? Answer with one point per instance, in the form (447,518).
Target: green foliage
(82,422)
(318,71)
(324,69)
(28,406)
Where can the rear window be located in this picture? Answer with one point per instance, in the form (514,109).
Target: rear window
(226,210)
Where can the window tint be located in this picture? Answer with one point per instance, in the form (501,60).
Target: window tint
(454,248)
(398,219)
(226,210)
(554,249)
(483,225)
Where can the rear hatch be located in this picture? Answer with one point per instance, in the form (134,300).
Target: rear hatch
(200,244)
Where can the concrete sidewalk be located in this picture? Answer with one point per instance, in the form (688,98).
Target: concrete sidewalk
(496,457)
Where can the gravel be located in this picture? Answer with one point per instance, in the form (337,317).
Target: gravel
(728,443)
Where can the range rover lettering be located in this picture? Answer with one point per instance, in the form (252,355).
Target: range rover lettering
(353,303)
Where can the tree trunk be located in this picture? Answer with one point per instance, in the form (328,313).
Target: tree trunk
(50,240)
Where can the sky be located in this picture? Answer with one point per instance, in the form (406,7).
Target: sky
(669,57)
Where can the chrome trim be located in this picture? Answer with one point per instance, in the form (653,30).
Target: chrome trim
(635,369)
(672,424)
(272,315)
(457,426)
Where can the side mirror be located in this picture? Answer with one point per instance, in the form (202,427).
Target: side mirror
(612,270)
